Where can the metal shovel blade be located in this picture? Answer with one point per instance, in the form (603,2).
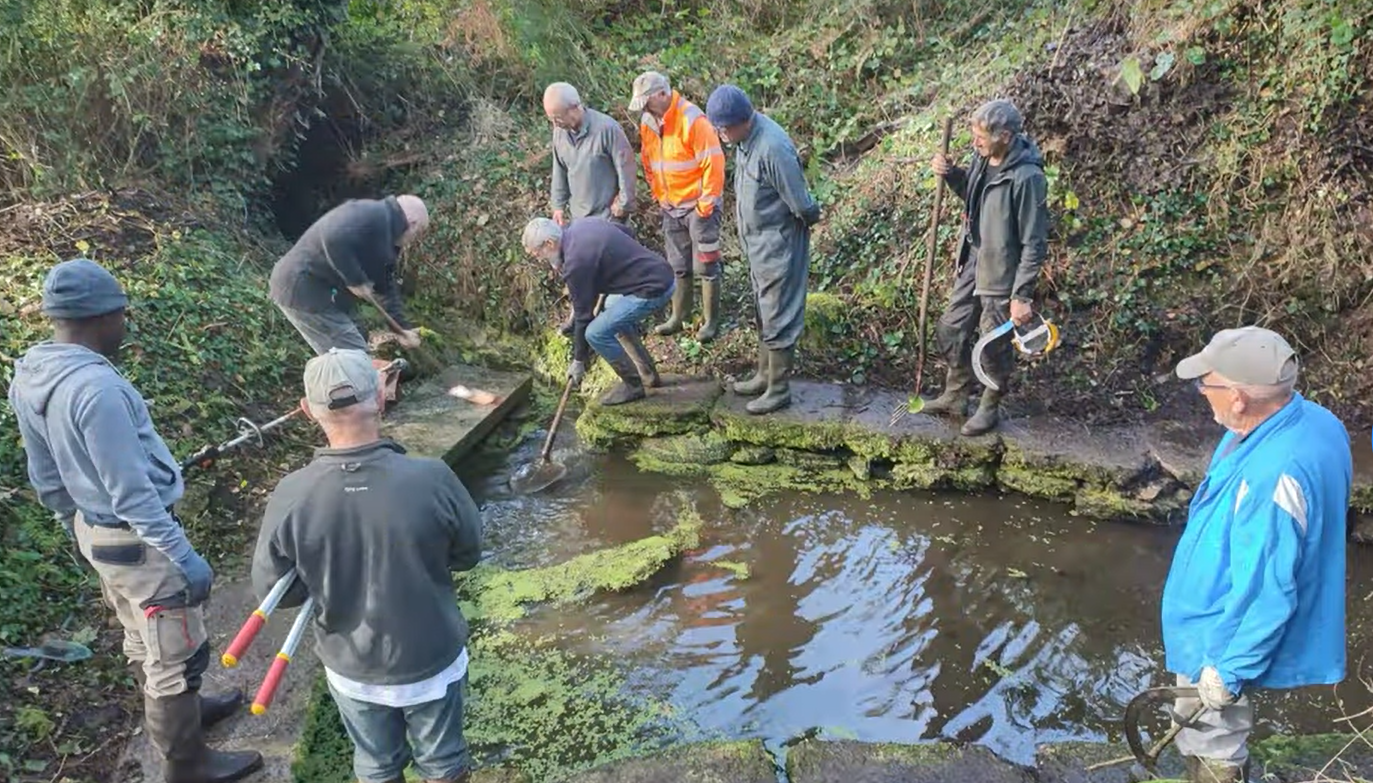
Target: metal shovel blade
(536,476)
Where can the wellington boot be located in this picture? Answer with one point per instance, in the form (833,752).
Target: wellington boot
(565,328)
(954,399)
(756,383)
(630,387)
(213,707)
(173,724)
(778,394)
(681,307)
(643,360)
(987,415)
(1201,770)
(710,310)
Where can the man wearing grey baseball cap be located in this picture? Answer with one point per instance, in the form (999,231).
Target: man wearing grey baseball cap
(98,464)
(374,535)
(1255,595)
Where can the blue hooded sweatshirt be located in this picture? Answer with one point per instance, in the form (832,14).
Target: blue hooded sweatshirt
(91,445)
(1256,588)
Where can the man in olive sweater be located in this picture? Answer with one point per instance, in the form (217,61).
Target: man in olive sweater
(374,536)
(348,254)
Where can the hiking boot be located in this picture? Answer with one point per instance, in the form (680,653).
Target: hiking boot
(778,394)
(986,416)
(756,383)
(954,399)
(643,360)
(710,309)
(213,708)
(630,387)
(174,729)
(681,304)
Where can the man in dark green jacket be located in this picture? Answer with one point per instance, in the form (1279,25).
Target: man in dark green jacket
(775,211)
(1003,245)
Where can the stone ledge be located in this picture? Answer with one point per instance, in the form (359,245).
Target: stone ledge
(692,427)
(849,761)
(712,762)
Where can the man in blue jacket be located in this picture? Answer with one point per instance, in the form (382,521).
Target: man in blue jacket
(1255,595)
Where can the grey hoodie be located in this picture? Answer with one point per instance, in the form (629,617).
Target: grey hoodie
(91,445)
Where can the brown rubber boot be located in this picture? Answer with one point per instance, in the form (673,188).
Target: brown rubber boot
(630,387)
(174,729)
(778,395)
(643,360)
(954,399)
(987,415)
(758,382)
(710,309)
(213,708)
(681,306)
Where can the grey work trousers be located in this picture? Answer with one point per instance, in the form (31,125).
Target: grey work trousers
(1218,736)
(330,329)
(693,244)
(147,592)
(968,317)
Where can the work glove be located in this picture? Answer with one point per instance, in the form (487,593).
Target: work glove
(1212,691)
(199,577)
(576,372)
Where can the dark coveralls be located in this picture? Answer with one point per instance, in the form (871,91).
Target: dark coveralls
(1003,245)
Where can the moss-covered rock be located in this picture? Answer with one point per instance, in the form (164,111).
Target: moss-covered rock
(1289,759)
(495,595)
(740,485)
(809,460)
(707,762)
(679,406)
(753,455)
(682,455)
(819,761)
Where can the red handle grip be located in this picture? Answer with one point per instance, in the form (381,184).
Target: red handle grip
(245,637)
(268,689)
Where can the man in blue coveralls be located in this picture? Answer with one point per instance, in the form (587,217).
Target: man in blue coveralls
(1255,595)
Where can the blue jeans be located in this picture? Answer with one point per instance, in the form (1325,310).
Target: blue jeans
(386,739)
(621,314)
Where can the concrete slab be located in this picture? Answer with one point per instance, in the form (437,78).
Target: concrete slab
(1067,762)
(846,761)
(713,762)
(1114,456)
(682,404)
(428,422)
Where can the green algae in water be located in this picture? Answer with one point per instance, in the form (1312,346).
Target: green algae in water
(740,485)
(497,595)
(740,570)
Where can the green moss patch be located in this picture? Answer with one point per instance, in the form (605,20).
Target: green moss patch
(682,455)
(680,406)
(706,762)
(740,485)
(817,761)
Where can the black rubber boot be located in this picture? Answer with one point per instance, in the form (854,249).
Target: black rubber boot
(630,387)
(987,415)
(681,307)
(778,394)
(954,399)
(643,360)
(174,728)
(566,326)
(213,708)
(758,382)
(710,310)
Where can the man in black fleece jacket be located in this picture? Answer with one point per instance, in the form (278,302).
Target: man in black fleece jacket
(374,536)
(348,254)
(596,256)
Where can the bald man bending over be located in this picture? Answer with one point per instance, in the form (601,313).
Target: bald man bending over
(348,254)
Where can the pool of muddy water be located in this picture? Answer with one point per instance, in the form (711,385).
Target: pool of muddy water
(901,617)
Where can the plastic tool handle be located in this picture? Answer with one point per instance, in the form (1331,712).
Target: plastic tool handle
(256,621)
(267,691)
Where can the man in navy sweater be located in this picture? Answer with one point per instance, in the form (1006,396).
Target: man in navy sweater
(596,256)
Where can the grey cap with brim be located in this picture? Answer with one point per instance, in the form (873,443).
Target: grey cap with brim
(340,378)
(1249,355)
(646,84)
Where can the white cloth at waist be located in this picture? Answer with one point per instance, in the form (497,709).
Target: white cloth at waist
(407,695)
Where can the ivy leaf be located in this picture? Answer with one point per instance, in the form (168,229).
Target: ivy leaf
(1131,74)
(1196,55)
(1162,64)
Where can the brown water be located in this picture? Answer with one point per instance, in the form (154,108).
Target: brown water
(903,617)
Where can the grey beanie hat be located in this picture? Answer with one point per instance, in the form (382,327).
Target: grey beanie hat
(81,288)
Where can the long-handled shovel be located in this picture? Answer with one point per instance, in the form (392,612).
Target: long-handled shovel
(544,472)
(916,402)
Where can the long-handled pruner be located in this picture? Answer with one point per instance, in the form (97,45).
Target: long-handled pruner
(277,671)
(1146,759)
(256,621)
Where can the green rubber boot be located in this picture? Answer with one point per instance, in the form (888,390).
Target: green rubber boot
(954,399)
(758,382)
(681,305)
(710,310)
(778,394)
(987,415)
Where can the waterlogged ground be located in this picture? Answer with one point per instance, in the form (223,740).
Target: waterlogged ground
(897,618)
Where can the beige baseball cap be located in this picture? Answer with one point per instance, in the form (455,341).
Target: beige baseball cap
(340,378)
(646,84)
(1249,355)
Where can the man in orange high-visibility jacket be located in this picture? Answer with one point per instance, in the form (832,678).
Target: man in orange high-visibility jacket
(685,169)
